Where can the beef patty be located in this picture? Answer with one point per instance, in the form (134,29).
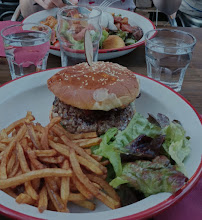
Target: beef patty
(77,120)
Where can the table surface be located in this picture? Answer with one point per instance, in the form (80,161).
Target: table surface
(135,61)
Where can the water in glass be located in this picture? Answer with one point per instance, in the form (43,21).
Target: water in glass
(168,55)
(168,65)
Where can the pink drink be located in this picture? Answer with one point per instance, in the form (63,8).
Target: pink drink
(26,51)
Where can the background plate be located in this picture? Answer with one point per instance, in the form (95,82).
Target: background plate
(104,54)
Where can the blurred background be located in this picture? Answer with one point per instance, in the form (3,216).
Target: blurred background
(188,15)
(7,9)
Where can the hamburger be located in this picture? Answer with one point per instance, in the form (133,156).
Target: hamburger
(94,98)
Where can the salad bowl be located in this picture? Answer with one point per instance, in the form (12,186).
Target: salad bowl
(30,93)
(134,19)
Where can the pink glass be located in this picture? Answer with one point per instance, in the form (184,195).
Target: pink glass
(26,48)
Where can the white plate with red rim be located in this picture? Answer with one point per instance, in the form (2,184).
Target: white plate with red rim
(104,54)
(30,93)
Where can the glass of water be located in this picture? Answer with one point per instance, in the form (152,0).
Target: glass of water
(168,55)
(27,48)
(73,21)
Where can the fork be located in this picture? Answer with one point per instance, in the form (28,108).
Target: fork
(107,3)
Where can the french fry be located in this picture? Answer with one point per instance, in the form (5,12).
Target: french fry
(3,134)
(44,138)
(86,204)
(6,140)
(24,199)
(54,121)
(105,185)
(73,187)
(29,116)
(2,147)
(14,132)
(11,163)
(31,191)
(58,181)
(97,186)
(51,205)
(15,169)
(23,162)
(8,151)
(47,172)
(80,175)
(38,127)
(5,157)
(19,123)
(108,201)
(36,182)
(85,143)
(97,157)
(33,136)
(88,151)
(33,159)
(105,162)
(94,190)
(76,136)
(19,172)
(81,188)
(49,166)
(45,153)
(43,199)
(76,197)
(24,143)
(57,201)
(65,184)
(90,166)
(82,153)
(52,183)
(64,150)
(54,160)
(1,155)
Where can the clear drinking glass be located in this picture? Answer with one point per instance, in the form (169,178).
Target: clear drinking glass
(168,55)
(27,47)
(73,21)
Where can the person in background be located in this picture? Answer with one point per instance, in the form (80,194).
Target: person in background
(190,13)
(192,7)
(123,4)
(29,6)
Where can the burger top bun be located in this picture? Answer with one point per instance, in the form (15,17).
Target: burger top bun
(102,86)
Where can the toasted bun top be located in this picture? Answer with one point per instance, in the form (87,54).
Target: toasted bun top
(102,86)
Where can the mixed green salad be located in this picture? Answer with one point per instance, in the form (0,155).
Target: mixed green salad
(146,158)
(125,34)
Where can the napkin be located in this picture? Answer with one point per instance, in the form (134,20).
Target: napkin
(190,207)
(4,24)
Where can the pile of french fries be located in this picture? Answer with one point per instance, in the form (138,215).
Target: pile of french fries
(48,167)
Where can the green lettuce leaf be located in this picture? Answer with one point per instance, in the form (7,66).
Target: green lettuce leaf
(107,150)
(137,126)
(122,34)
(176,144)
(130,41)
(112,145)
(77,45)
(104,36)
(143,176)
